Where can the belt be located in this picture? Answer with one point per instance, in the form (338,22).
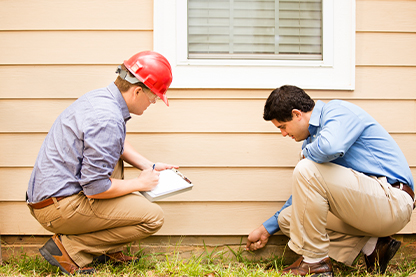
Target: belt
(405,188)
(45,203)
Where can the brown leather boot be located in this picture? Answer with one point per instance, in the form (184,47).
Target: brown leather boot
(54,252)
(116,257)
(385,250)
(301,268)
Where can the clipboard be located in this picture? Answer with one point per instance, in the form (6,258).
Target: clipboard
(171,182)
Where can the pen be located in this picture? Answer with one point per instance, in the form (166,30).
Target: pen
(153,168)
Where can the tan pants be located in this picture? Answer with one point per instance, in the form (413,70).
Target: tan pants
(91,227)
(336,210)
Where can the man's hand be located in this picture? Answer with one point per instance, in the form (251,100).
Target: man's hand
(257,239)
(163,166)
(148,179)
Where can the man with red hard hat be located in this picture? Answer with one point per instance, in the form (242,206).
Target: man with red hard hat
(76,189)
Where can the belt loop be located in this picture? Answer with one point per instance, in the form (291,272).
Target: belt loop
(56,203)
(401,186)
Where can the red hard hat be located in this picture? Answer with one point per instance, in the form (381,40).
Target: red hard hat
(153,70)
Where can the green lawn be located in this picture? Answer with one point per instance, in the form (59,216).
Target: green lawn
(210,264)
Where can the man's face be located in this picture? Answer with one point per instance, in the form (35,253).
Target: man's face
(297,128)
(143,100)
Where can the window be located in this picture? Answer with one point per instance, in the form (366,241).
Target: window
(257,47)
(248,29)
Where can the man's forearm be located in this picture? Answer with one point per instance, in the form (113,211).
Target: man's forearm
(131,156)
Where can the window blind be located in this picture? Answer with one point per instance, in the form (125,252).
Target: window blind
(255,29)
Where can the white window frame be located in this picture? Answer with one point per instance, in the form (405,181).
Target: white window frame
(335,71)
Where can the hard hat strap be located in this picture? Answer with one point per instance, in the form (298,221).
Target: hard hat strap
(125,76)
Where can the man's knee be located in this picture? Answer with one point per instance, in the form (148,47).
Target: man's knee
(305,169)
(303,166)
(157,219)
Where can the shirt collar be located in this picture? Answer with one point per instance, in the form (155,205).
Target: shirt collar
(120,100)
(315,117)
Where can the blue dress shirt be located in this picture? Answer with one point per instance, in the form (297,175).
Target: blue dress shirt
(271,225)
(82,147)
(343,133)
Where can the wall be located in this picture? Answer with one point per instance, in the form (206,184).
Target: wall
(52,52)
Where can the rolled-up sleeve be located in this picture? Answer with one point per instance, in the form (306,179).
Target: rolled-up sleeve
(103,145)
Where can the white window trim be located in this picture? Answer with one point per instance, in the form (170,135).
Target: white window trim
(336,71)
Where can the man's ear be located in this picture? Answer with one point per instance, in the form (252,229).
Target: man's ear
(137,90)
(296,114)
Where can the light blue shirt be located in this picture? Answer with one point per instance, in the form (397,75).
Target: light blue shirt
(271,225)
(82,147)
(343,133)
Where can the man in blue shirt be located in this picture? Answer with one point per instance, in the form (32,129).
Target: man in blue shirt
(77,190)
(351,190)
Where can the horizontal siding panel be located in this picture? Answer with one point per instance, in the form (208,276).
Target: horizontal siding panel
(55,81)
(76,14)
(230,115)
(247,116)
(388,13)
(210,184)
(391,16)
(72,47)
(233,184)
(371,82)
(14,183)
(181,149)
(193,149)
(180,218)
(382,83)
(42,114)
(393,49)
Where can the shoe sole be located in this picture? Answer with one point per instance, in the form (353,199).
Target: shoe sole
(395,245)
(48,256)
(52,260)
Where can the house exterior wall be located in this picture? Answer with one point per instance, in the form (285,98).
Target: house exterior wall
(52,52)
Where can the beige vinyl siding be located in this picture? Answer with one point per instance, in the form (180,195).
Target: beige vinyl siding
(372,82)
(386,16)
(52,52)
(385,49)
(190,116)
(87,47)
(77,15)
(181,218)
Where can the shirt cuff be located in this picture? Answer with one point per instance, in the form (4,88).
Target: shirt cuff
(271,225)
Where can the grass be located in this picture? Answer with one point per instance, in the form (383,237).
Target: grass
(213,263)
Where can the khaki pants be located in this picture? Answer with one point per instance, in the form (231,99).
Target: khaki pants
(91,227)
(336,210)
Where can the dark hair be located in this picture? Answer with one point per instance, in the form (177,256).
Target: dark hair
(283,100)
